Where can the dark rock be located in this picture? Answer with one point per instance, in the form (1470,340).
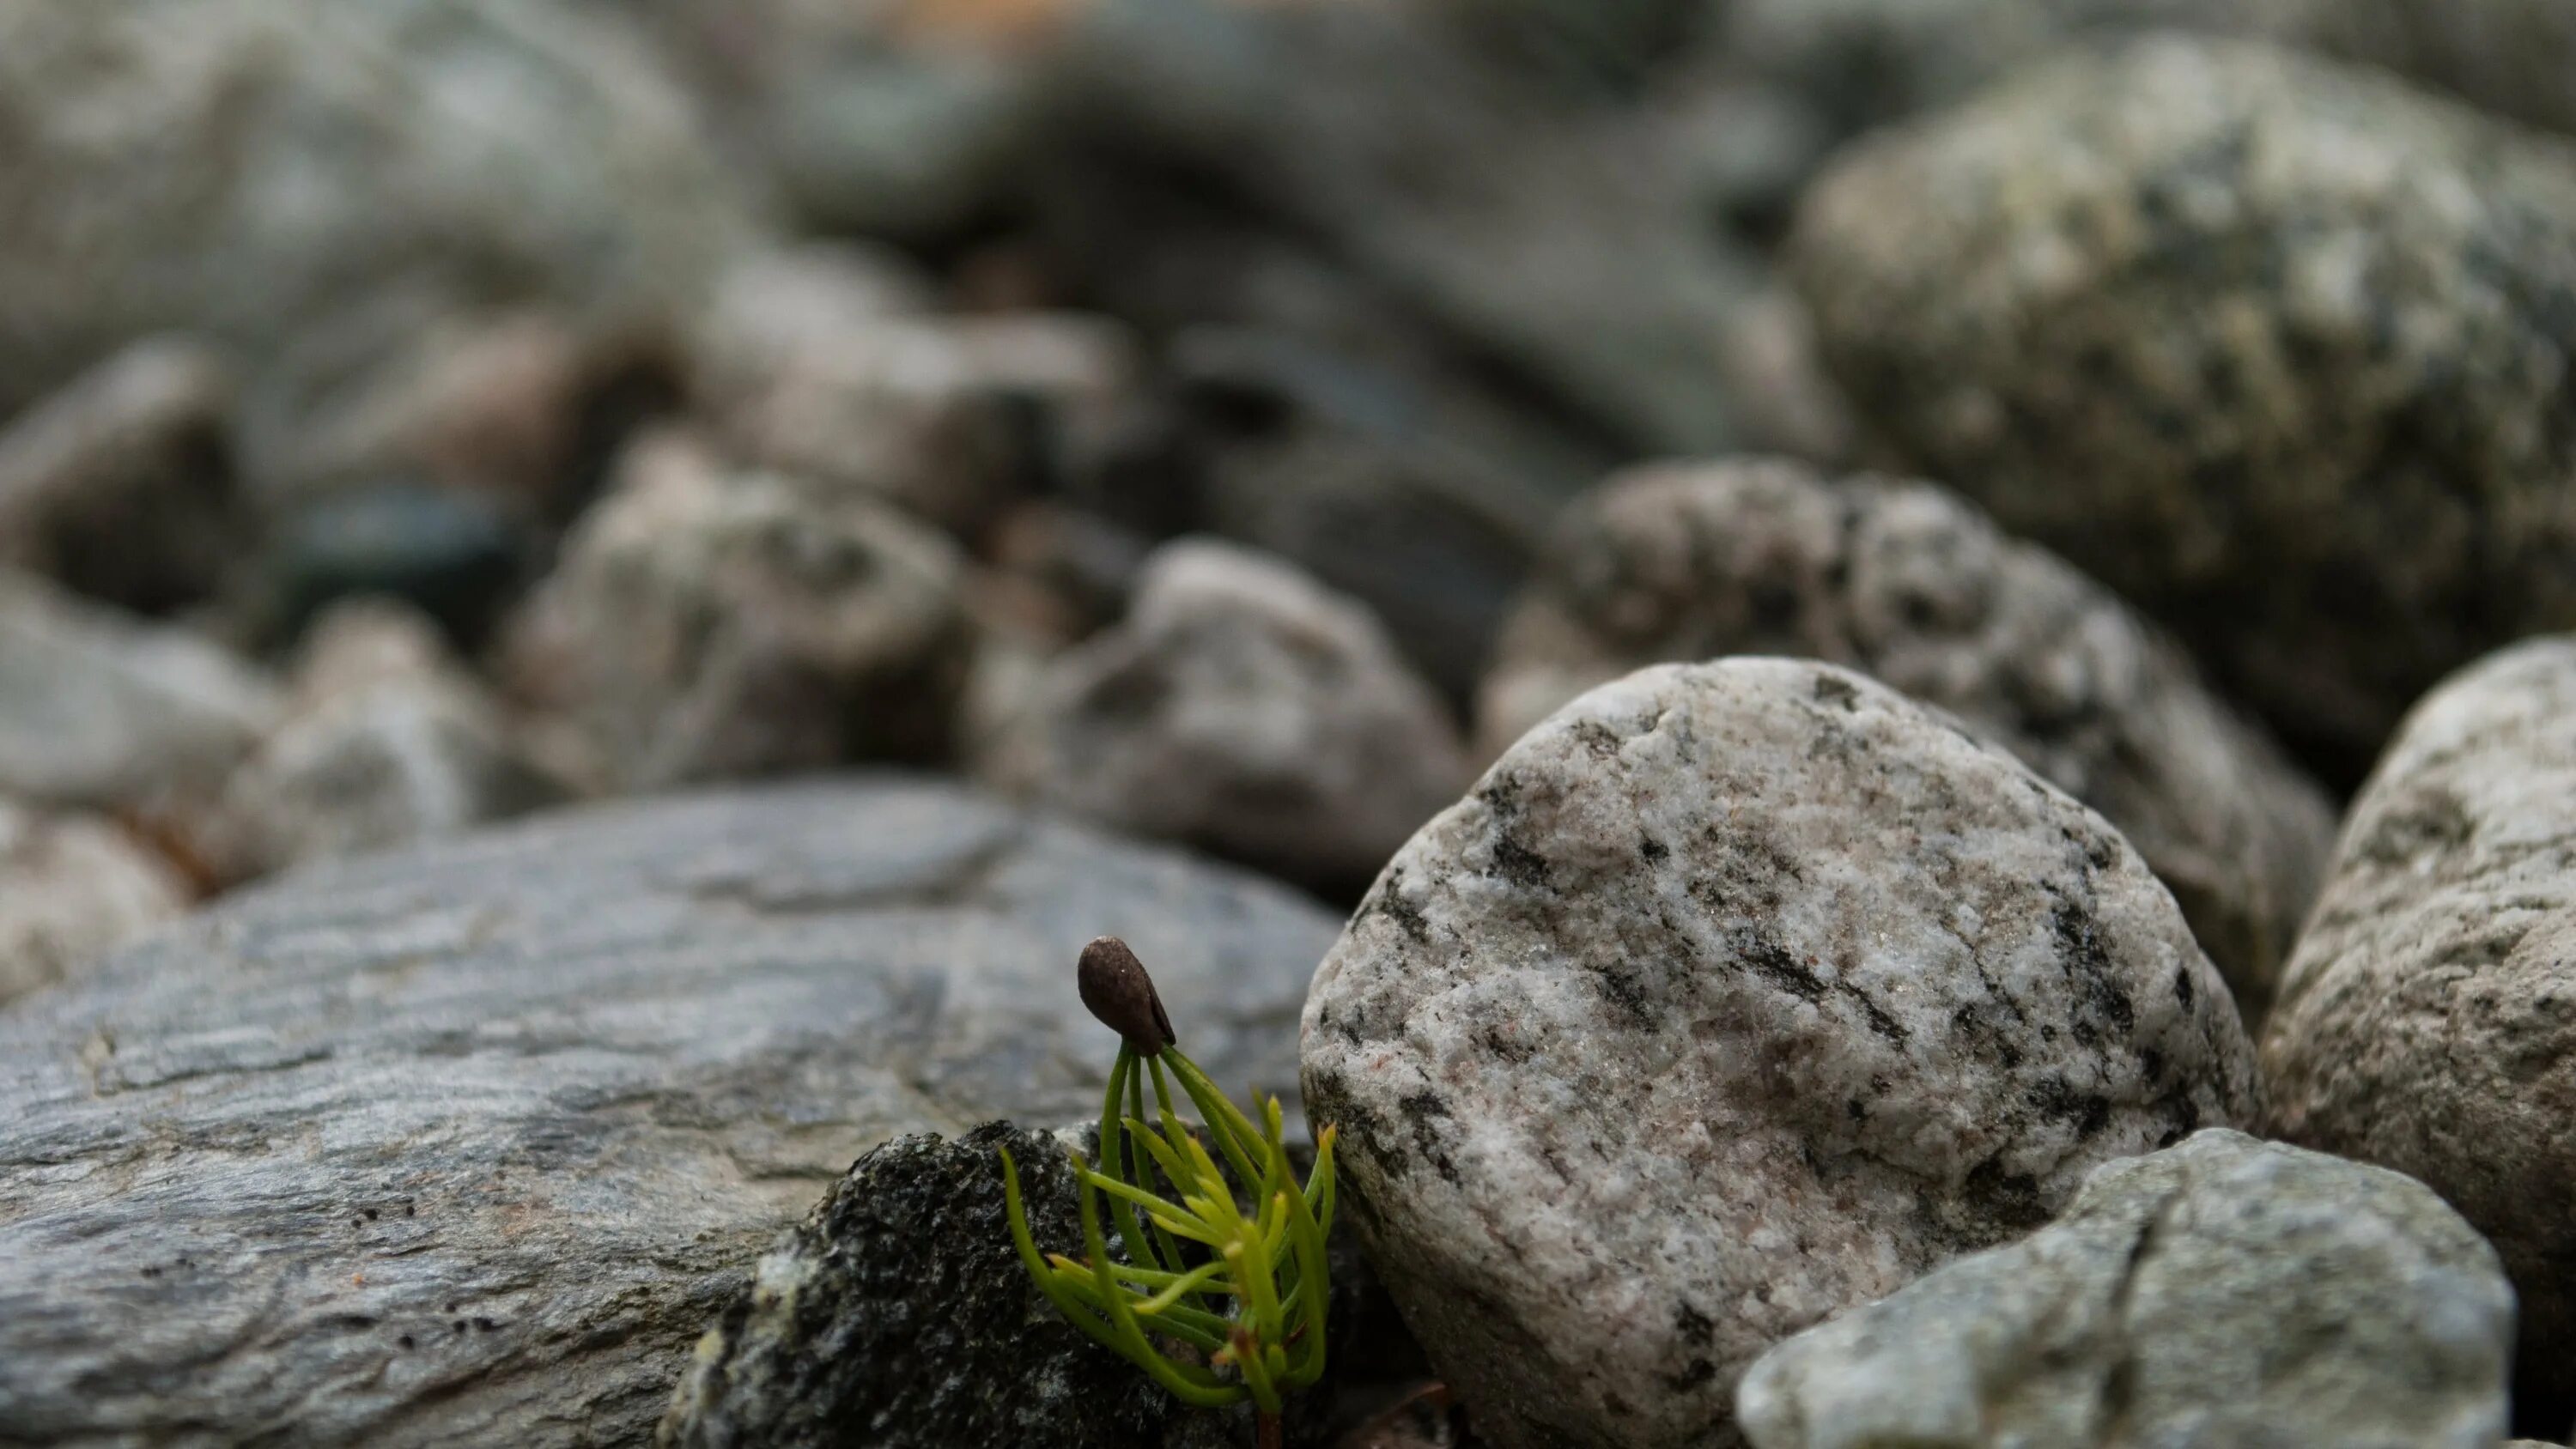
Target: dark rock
(2273,347)
(449,553)
(121,485)
(469,1143)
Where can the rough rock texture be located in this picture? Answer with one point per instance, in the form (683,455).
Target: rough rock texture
(897,1316)
(101,711)
(1246,709)
(2428,1018)
(469,1143)
(120,485)
(2222,1292)
(386,738)
(1910,584)
(2276,349)
(251,169)
(705,623)
(1734,995)
(945,415)
(73,888)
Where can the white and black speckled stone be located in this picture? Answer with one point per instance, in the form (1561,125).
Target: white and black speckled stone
(1911,584)
(1733,995)
(2225,1292)
(2276,348)
(2428,1018)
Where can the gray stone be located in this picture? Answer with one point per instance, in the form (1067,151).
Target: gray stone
(106,712)
(2427,1021)
(2225,1292)
(250,168)
(469,1143)
(1734,995)
(1909,583)
(73,887)
(705,623)
(1245,709)
(121,484)
(2272,347)
(809,363)
(386,738)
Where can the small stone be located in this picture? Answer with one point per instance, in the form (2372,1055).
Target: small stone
(105,712)
(120,486)
(949,417)
(1246,709)
(386,739)
(2225,1291)
(1912,585)
(73,888)
(450,553)
(705,624)
(2427,1021)
(2273,347)
(1736,995)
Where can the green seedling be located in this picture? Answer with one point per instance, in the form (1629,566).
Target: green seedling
(1222,1291)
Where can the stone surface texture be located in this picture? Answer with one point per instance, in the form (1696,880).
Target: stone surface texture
(1244,708)
(469,1143)
(2222,1292)
(2275,348)
(706,623)
(73,887)
(106,712)
(2428,1018)
(386,738)
(1732,996)
(1910,584)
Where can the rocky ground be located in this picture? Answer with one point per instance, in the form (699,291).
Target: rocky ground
(1880,695)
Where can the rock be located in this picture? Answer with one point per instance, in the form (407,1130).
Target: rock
(247,169)
(469,1143)
(949,417)
(897,1316)
(1734,995)
(705,624)
(105,712)
(2269,346)
(121,485)
(1245,709)
(386,739)
(452,553)
(2427,1020)
(1912,585)
(1561,255)
(73,888)
(2382,1319)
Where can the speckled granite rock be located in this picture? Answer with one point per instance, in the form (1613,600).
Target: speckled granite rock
(386,738)
(73,887)
(1246,709)
(705,623)
(1910,584)
(2222,1292)
(469,1143)
(2274,348)
(1736,994)
(2428,1018)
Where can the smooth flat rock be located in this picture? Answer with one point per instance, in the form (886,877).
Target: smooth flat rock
(471,1143)
(1734,995)
(2428,1018)
(2225,1292)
